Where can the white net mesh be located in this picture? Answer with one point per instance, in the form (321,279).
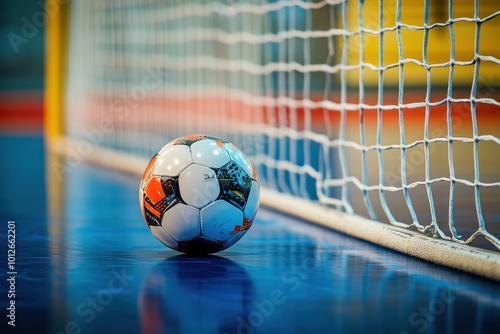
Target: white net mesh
(388,109)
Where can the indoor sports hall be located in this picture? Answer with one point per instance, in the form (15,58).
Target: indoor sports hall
(373,132)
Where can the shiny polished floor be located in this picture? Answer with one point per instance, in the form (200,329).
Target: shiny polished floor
(86,263)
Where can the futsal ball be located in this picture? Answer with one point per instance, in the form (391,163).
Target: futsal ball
(199,194)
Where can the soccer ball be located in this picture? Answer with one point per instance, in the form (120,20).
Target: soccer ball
(199,194)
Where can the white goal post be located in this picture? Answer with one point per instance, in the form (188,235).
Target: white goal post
(379,119)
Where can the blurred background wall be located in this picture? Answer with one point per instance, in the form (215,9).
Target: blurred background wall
(22,47)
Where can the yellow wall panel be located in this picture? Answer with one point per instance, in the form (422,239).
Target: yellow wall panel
(439,45)
(55,61)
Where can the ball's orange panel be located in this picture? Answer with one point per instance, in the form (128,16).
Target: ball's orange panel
(154,190)
(247,223)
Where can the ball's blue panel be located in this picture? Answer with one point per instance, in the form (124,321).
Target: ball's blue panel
(234,184)
(240,159)
(252,204)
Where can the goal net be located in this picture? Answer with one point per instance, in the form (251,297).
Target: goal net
(378,118)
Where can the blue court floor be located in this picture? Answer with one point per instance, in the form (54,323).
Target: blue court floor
(85,262)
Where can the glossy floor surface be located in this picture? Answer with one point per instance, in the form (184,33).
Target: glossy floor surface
(85,262)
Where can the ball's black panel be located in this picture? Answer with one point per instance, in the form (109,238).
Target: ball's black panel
(189,140)
(151,219)
(200,245)
(171,189)
(234,184)
(216,139)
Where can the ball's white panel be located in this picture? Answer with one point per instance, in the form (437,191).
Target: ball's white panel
(252,201)
(173,160)
(164,148)
(208,153)
(240,159)
(198,185)
(220,219)
(182,222)
(163,236)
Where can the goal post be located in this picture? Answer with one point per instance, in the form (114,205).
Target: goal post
(379,119)
(55,66)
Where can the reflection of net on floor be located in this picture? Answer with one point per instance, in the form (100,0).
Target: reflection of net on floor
(385,110)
